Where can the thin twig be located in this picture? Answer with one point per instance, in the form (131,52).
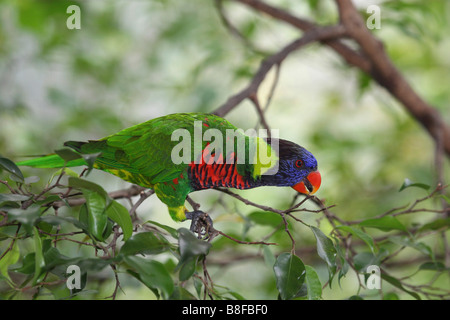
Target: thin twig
(313,35)
(247,242)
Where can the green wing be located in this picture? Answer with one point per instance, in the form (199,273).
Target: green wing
(142,153)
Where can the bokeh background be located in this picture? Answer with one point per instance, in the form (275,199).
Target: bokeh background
(133,60)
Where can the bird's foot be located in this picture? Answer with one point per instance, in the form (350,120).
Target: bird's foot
(201,223)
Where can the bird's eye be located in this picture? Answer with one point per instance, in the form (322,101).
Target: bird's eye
(299,163)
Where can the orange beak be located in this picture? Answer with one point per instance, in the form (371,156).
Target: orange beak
(310,184)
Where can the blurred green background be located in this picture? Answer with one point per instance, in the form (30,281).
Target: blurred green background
(133,60)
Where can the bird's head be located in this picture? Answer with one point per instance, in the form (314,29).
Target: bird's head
(297,168)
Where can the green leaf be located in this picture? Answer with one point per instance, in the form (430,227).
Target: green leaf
(61,171)
(27,266)
(290,275)
(11,167)
(313,284)
(344,264)
(356,298)
(97,218)
(187,269)
(83,218)
(54,258)
(419,246)
(364,259)
(39,262)
(13,197)
(49,199)
(435,266)
(145,243)
(31,180)
(386,223)
(27,217)
(436,224)
(68,154)
(191,249)
(58,220)
(325,249)
(180,293)
(398,284)
(92,264)
(79,183)
(390,296)
(236,295)
(108,229)
(265,218)
(190,246)
(138,277)
(360,234)
(97,203)
(408,183)
(119,214)
(90,160)
(151,273)
(443,196)
(10,258)
(173,232)
(100,206)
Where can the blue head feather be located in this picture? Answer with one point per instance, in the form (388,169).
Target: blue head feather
(295,164)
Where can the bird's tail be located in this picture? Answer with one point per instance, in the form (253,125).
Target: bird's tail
(54,160)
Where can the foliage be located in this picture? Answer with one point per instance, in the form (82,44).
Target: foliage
(36,235)
(381,203)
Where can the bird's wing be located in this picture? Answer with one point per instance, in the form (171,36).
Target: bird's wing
(146,148)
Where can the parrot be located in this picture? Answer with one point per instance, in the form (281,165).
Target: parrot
(176,154)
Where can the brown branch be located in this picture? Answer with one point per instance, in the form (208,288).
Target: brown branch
(132,191)
(312,35)
(282,213)
(143,195)
(254,98)
(195,205)
(405,209)
(246,242)
(8,186)
(293,208)
(350,55)
(373,60)
(233,30)
(387,75)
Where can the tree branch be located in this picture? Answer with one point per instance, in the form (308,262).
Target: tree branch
(350,55)
(132,191)
(386,74)
(373,60)
(316,34)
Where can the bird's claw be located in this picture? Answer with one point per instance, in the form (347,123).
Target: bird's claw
(202,224)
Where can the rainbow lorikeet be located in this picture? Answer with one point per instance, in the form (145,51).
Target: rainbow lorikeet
(176,154)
